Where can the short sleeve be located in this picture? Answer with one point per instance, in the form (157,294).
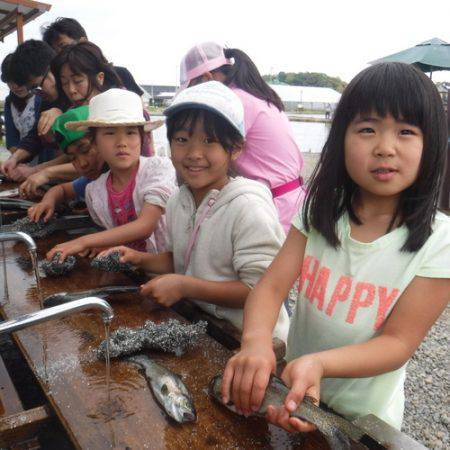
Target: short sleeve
(79,186)
(158,181)
(89,193)
(297,222)
(436,253)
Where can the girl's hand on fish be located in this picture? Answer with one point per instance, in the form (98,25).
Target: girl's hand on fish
(247,375)
(165,290)
(30,187)
(22,172)
(66,249)
(303,375)
(43,208)
(8,166)
(127,255)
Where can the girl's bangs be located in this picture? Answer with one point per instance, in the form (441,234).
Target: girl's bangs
(187,119)
(215,127)
(389,90)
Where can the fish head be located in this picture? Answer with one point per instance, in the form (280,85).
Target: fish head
(180,408)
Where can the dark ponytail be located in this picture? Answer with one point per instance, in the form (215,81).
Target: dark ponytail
(245,75)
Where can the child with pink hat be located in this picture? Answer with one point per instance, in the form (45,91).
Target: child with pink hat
(271,154)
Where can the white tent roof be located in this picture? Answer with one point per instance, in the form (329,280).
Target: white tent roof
(306,94)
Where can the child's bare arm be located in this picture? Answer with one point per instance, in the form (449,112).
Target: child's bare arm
(141,228)
(415,312)
(247,373)
(168,289)
(55,196)
(32,184)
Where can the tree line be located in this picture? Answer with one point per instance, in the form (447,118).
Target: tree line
(316,79)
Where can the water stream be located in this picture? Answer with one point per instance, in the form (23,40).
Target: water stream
(107,361)
(34,261)
(5,277)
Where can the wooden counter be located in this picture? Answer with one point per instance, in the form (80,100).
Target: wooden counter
(60,353)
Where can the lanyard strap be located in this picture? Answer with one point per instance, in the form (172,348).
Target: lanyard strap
(194,235)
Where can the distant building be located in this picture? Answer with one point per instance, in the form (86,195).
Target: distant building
(298,98)
(157,94)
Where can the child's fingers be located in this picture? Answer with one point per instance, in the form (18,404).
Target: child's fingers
(108,251)
(227,379)
(247,382)
(280,417)
(295,395)
(48,214)
(260,382)
(236,389)
(147,289)
(52,252)
(301,425)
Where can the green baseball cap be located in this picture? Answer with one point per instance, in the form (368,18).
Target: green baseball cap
(63,136)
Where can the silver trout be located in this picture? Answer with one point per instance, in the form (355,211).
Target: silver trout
(338,431)
(168,389)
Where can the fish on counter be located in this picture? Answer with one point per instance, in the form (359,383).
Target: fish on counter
(339,432)
(168,389)
(103,292)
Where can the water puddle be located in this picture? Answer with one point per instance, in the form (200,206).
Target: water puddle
(113,409)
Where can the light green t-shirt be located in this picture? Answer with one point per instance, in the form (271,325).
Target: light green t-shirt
(345,297)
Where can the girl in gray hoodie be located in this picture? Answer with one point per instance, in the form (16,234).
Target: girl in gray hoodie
(223,232)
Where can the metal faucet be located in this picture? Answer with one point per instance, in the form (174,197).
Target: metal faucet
(56,312)
(18,236)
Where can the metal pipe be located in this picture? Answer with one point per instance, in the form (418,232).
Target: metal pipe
(56,312)
(18,236)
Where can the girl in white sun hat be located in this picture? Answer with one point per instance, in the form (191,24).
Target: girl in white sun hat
(271,154)
(130,199)
(223,232)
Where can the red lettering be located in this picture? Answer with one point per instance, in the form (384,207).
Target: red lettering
(341,292)
(320,287)
(358,301)
(306,275)
(384,303)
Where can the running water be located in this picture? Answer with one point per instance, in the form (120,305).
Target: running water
(34,261)
(5,277)
(107,360)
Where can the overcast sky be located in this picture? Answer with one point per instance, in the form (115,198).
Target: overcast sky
(335,37)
